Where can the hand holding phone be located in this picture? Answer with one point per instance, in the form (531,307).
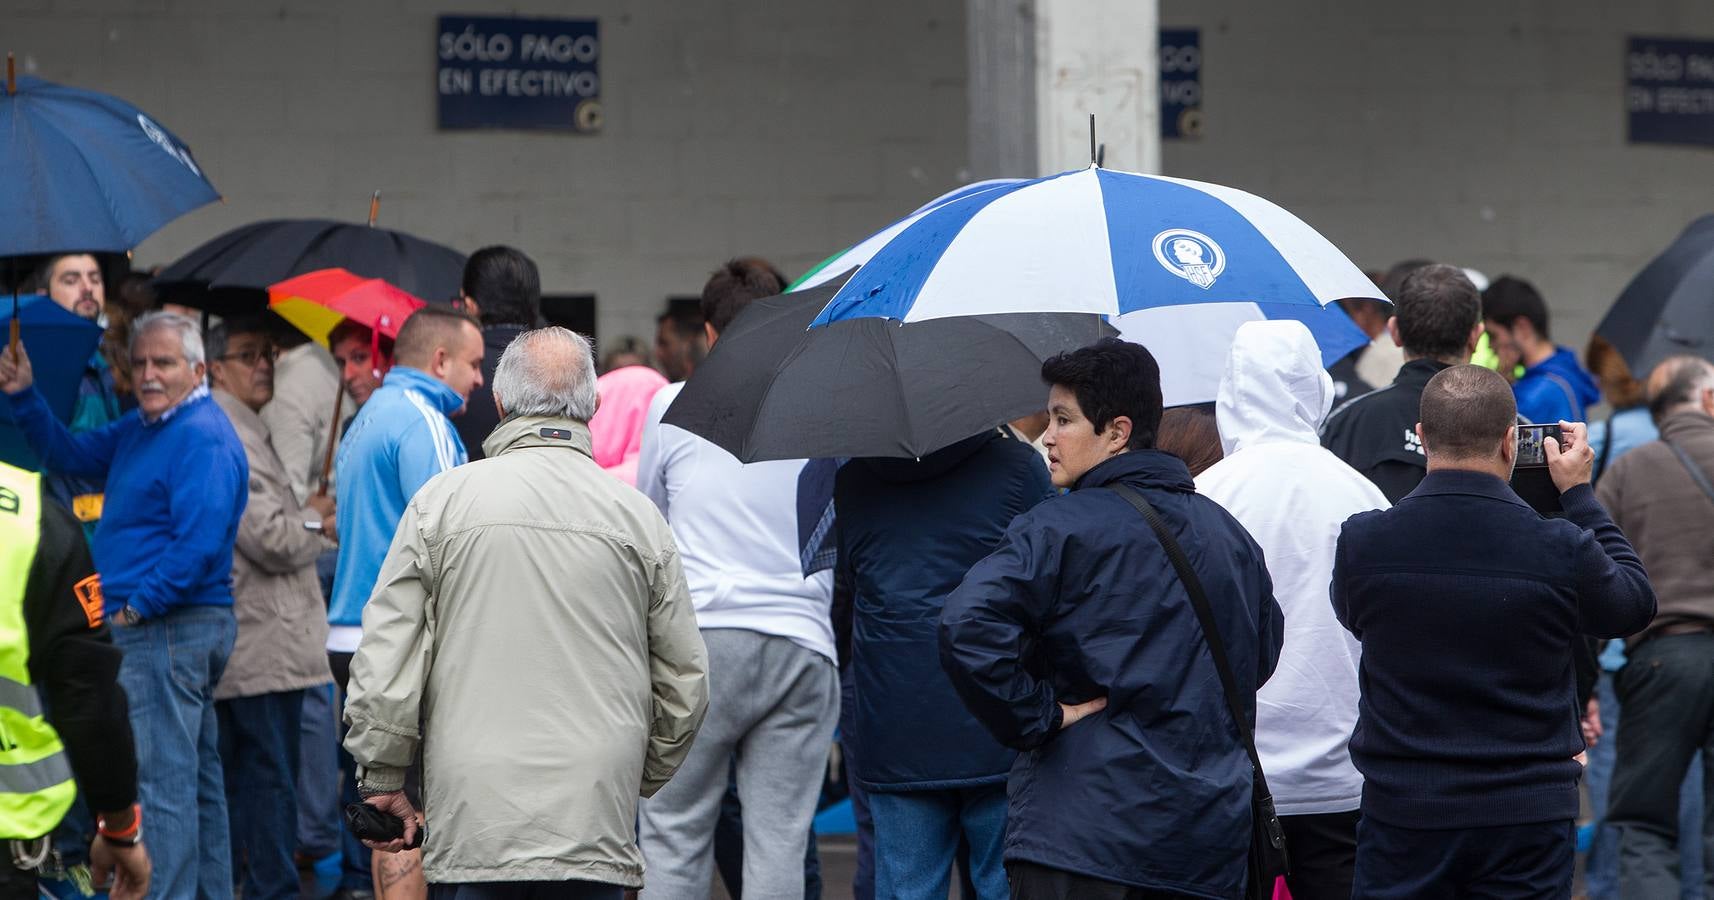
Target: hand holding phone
(1570,459)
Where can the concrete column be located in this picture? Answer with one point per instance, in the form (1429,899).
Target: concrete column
(1101,57)
(1038,68)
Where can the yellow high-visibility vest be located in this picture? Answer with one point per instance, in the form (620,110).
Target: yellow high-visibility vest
(36,786)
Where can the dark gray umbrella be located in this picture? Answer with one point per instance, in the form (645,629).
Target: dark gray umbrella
(774,388)
(1669,307)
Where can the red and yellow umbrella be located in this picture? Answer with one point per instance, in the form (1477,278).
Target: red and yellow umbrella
(316,302)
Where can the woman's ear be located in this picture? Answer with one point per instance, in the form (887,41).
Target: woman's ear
(1119,434)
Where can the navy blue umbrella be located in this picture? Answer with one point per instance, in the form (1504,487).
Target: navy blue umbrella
(59,344)
(86,171)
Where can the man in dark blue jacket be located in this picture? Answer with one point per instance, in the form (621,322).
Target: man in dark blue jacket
(1470,607)
(908,531)
(1079,614)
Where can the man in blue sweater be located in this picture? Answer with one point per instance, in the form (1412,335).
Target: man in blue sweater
(401,437)
(1470,607)
(177,482)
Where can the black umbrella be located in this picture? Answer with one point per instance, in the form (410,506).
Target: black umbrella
(230,274)
(1669,307)
(773,388)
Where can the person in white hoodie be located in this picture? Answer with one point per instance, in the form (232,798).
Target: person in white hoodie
(1293,495)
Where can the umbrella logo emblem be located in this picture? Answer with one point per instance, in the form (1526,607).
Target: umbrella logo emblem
(155,134)
(1190,255)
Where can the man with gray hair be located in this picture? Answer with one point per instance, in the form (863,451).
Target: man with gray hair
(537,606)
(177,483)
(1660,494)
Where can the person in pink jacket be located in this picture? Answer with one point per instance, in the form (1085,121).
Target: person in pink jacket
(617,427)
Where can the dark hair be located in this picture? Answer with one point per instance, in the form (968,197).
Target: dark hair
(1112,378)
(1191,434)
(1685,375)
(1395,277)
(43,275)
(736,285)
(505,285)
(348,329)
(427,329)
(1437,308)
(1465,412)
(216,339)
(1509,299)
(685,321)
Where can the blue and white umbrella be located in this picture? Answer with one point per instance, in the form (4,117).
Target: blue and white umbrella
(1096,241)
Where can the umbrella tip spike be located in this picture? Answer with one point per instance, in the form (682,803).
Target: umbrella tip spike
(11,74)
(1093,161)
(374,208)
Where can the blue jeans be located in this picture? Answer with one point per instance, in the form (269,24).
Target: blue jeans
(259,753)
(319,820)
(171,666)
(1601,867)
(916,841)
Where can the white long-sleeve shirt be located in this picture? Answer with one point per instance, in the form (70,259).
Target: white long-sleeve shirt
(1292,495)
(737,533)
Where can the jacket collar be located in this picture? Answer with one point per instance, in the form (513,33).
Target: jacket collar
(444,398)
(1417,372)
(1684,424)
(1140,468)
(1445,482)
(522,432)
(244,419)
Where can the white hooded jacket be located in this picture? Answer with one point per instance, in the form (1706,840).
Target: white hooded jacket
(1292,496)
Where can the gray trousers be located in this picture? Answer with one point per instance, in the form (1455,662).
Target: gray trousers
(1666,714)
(772,708)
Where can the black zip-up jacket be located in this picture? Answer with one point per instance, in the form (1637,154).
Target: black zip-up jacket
(75,665)
(479,416)
(1376,433)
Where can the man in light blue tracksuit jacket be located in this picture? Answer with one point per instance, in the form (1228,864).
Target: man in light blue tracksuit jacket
(401,438)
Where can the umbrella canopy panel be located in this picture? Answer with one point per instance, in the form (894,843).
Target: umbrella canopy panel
(1669,307)
(230,274)
(772,388)
(315,303)
(1097,241)
(87,171)
(60,345)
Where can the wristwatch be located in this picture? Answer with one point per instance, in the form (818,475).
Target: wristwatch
(126,616)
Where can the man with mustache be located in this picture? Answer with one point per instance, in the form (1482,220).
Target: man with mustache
(178,483)
(73,280)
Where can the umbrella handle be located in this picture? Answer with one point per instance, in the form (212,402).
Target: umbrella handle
(12,344)
(332,436)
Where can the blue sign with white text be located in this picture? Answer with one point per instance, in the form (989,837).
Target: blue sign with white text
(1181,83)
(508,72)
(1669,91)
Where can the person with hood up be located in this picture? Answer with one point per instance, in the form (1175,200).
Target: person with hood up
(1553,388)
(1292,495)
(1076,644)
(908,531)
(617,427)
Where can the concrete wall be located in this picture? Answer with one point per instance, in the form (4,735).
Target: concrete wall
(774,127)
(1487,134)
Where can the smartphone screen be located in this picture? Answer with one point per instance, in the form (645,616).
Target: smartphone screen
(1531,452)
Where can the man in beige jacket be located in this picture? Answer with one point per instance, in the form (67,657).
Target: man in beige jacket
(530,634)
(282,627)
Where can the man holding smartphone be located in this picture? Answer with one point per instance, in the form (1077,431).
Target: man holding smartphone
(1470,607)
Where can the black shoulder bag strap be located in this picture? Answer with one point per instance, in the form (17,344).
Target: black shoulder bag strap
(1696,473)
(1269,833)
